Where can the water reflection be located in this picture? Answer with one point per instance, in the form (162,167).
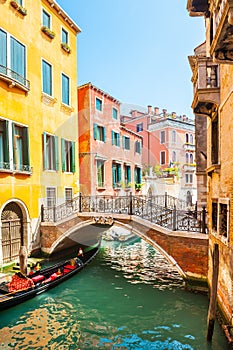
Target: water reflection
(141,263)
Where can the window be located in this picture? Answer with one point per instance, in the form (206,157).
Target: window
(162,157)
(68,195)
(223,219)
(127,173)
(214,216)
(115,138)
(98,104)
(46,19)
(99,133)
(187,138)
(4,145)
(191,139)
(191,178)
(68,156)
(46,78)
(20,2)
(64,36)
(50,152)
(173,156)
(187,158)
(173,136)
(126,142)
(138,147)
(65,89)
(191,158)
(13,58)
(51,197)
(139,127)
(138,175)
(20,148)
(186,178)
(114,113)
(214,140)
(100,173)
(162,136)
(116,175)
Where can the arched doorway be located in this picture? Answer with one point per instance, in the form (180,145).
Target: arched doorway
(12,231)
(189,198)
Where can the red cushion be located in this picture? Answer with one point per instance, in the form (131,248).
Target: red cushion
(38,278)
(71,267)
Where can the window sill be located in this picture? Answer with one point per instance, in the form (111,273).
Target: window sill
(214,168)
(15,171)
(66,108)
(18,8)
(47,99)
(48,32)
(65,48)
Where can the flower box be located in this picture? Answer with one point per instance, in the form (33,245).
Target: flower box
(48,32)
(19,8)
(65,47)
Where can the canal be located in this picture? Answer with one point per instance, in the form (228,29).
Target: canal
(129,297)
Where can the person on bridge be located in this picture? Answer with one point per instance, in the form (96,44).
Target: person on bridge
(80,252)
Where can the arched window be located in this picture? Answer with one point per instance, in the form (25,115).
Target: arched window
(173,136)
(186,138)
(187,157)
(191,138)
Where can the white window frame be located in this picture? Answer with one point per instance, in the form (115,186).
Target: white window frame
(68,37)
(55,191)
(48,13)
(102,104)
(52,88)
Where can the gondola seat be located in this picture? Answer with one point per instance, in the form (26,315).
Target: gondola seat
(68,268)
(38,278)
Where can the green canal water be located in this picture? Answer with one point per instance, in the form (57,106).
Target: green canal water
(129,297)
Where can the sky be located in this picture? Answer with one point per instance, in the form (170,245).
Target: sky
(137,50)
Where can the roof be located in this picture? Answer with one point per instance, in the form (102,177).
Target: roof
(127,108)
(93,87)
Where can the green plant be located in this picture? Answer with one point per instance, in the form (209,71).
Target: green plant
(48,32)
(138,186)
(18,7)
(66,47)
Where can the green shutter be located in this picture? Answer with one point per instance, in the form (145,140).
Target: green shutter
(104,133)
(118,140)
(13,142)
(128,174)
(6,143)
(73,157)
(26,153)
(95,131)
(119,173)
(45,160)
(114,174)
(113,133)
(123,142)
(56,153)
(140,175)
(63,155)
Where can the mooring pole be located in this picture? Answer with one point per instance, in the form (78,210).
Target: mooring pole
(213,294)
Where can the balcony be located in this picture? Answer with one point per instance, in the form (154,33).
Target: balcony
(205,81)
(197,7)
(190,167)
(189,147)
(14,79)
(221,31)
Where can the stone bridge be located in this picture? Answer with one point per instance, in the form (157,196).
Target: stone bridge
(159,225)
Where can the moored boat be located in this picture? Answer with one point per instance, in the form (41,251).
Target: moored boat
(23,288)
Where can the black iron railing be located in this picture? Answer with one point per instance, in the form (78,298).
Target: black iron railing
(165,211)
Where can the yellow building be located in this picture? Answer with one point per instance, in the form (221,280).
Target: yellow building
(38,117)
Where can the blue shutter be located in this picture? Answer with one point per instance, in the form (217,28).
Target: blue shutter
(3,51)
(114,174)
(119,173)
(129,174)
(140,176)
(123,142)
(118,140)
(95,131)
(65,90)
(26,153)
(17,59)
(46,78)
(113,133)
(104,134)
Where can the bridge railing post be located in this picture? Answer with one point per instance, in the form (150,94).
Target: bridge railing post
(42,212)
(80,202)
(130,204)
(174,218)
(54,213)
(165,200)
(203,220)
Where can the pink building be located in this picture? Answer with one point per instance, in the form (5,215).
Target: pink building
(168,143)
(110,154)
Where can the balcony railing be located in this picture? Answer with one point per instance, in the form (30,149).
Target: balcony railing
(14,79)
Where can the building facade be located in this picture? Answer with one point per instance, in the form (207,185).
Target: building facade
(168,146)
(110,154)
(213,100)
(38,117)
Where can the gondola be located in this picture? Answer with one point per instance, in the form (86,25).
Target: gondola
(45,279)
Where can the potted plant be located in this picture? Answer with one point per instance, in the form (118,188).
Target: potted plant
(14,4)
(48,32)
(66,47)
(19,8)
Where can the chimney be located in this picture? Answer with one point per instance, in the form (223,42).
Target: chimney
(156,110)
(164,112)
(149,109)
(134,113)
(174,115)
(184,118)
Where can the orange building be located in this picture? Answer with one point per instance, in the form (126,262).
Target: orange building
(110,154)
